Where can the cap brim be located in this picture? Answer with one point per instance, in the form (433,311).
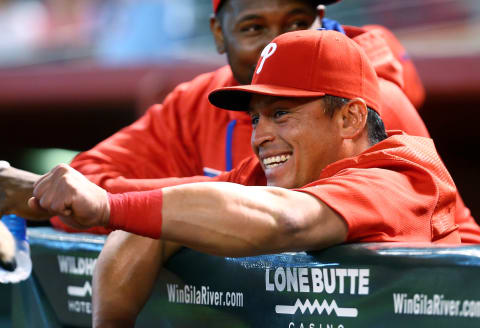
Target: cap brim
(238,98)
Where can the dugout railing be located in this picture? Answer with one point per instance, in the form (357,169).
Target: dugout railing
(356,285)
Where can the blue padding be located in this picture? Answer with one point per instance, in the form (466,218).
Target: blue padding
(333,25)
(228,146)
(391,285)
(62,241)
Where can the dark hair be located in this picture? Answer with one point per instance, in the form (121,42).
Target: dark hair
(221,9)
(375,126)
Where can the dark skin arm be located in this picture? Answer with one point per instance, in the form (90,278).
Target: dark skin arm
(16,187)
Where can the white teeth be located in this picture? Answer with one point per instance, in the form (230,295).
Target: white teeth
(274,161)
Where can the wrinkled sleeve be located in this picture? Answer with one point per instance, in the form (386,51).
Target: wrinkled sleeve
(380,205)
(158,145)
(398,112)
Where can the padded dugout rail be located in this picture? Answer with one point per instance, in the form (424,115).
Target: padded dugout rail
(357,285)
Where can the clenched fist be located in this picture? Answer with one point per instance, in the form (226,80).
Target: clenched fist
(67,193)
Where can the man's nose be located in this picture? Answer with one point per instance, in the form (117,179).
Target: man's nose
(273,32)
(263,133)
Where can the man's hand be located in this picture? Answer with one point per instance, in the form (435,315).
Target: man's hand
(7,249)
(16,187)
(67,193)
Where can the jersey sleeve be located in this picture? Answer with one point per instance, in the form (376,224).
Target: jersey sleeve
(158,145)
(398,112)
(412,86)
(139,157)
(381,205)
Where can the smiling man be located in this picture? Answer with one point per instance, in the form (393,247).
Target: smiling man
(324,173)
(251,24)
(333,175)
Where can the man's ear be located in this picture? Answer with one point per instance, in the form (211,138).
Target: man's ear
(354,118)
(216,29)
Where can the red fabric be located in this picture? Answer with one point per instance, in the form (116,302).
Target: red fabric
(379,53)
(248,173)
(216,4)
(186,133)
(413,86)
(134,205)
(407,119)
(398,190)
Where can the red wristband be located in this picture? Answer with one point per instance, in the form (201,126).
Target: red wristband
(137,212)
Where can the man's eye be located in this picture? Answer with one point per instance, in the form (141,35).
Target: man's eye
(253,28)
(299,25)
(279,113)
(254,120)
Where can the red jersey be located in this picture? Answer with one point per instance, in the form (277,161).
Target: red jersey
(187,136)
(396,191)
(413,87)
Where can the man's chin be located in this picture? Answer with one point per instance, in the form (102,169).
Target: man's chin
(280,184)
(282,175)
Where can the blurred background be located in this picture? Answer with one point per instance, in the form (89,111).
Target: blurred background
(72,72)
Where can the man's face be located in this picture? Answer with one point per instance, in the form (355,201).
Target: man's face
(249,25)
(293,138)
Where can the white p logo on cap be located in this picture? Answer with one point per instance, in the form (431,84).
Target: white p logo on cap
(267,52)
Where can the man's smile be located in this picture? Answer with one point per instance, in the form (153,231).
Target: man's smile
(274,161)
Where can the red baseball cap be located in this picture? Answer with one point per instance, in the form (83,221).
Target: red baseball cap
(217,3)
(308,63)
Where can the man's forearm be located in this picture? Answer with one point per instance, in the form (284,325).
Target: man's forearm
(121,184)
(223,218)
(16,187)
(229,219)
(125,273)
(217,218)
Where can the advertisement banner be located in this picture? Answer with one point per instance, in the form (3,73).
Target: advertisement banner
(356,285)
